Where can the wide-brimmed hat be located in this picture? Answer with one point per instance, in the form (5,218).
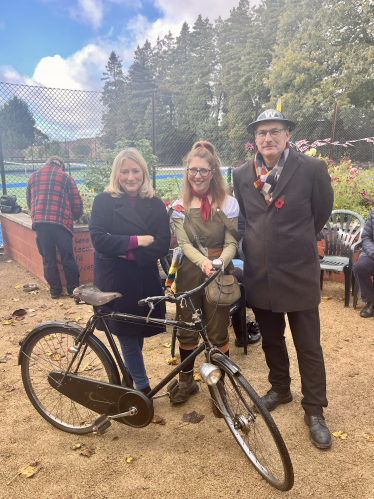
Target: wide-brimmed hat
(270,115)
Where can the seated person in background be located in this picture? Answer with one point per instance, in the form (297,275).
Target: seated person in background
(253,330)
(364,268)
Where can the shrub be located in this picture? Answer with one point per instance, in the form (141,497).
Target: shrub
(353,187)
(96,175)
(88,199)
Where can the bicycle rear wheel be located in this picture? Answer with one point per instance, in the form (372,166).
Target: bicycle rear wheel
(47,350)
(255,432)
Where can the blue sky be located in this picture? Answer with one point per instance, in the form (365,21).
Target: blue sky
(66,43)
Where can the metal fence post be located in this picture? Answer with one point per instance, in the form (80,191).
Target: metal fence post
(154,136)
(3,180)
(333,130)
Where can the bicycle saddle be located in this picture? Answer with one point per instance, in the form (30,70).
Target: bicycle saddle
(93,296)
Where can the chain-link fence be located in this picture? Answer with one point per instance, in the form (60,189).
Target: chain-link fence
(38,122)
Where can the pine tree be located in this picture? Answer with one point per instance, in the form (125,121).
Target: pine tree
(113,99)
(16,124)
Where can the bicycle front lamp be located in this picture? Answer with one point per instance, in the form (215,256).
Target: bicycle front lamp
(210,373)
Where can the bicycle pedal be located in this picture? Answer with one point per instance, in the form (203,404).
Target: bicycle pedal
(103,428)
(172,388)
(101,424)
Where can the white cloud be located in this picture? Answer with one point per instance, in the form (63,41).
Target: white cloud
(89,12)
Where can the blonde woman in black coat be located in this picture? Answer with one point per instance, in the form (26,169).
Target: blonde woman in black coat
(129,229)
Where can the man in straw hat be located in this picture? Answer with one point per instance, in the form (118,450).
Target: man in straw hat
(286,198)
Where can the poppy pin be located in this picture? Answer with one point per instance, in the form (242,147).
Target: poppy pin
(166,203)
(279,203)
(178,207)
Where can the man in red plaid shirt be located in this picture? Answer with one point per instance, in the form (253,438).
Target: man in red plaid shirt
(54,201)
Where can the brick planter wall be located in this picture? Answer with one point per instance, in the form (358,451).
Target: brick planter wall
(19,243)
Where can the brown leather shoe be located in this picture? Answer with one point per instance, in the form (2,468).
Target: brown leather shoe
(187,386)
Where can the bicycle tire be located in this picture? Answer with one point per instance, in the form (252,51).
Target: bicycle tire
(255,432)
(47,350)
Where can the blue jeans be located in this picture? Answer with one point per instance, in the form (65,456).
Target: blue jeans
(132,346)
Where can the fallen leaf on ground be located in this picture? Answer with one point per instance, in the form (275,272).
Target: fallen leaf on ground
(326,297)
(172,361)
(158,420)
(192,417)
(9,388)
(369,436)
(32,315)
(87,451)
(56,356)
(166,345)
(129,460)
(197,377)
(15,299)
(17,287)
(75,446)
(43,306)
(9,261)
(30,470)
(340,434)
(27,471)
(114,438)
(19,312)
(78,319)
(7,323)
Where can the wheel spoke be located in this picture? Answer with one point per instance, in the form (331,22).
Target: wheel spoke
(37,365)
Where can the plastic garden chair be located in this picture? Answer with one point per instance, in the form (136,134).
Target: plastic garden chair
(342,235)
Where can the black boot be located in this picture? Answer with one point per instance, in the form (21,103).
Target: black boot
(368,310)
(253,331)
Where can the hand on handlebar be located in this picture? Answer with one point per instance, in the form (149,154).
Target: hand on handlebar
(207,267)
(145,240)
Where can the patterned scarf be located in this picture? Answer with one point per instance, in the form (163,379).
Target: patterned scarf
(205,205)
(267,180)
(171,281)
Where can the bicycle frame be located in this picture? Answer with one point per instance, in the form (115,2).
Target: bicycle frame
(197,325)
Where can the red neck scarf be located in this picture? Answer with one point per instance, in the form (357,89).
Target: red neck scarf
(205,205)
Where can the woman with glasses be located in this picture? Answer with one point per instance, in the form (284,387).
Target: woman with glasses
(198,212)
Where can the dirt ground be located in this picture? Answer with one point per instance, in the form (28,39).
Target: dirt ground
(180,460)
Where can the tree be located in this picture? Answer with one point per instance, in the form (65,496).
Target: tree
(113,99)
(81,150)
(257,61)
(325,53)
(16,124)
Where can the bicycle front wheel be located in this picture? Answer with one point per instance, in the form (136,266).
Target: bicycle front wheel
(48,350)
(255,432)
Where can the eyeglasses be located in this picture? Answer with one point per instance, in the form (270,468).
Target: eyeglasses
(274,132)
(203,172)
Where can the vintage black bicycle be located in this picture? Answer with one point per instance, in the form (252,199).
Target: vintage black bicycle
(73,381)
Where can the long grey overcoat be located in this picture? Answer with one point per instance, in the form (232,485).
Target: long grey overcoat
(281,267)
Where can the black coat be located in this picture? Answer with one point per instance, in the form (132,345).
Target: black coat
(281,265)
(112,223)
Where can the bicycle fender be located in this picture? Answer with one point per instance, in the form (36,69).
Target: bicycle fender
(44,327)
(227,362)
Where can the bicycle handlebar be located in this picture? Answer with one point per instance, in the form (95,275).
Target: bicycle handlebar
(175,299)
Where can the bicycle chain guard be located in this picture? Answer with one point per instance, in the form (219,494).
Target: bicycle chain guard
(104,398)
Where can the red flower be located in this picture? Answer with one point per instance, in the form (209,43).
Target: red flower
(178,207)
(166,203)
(279,203)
